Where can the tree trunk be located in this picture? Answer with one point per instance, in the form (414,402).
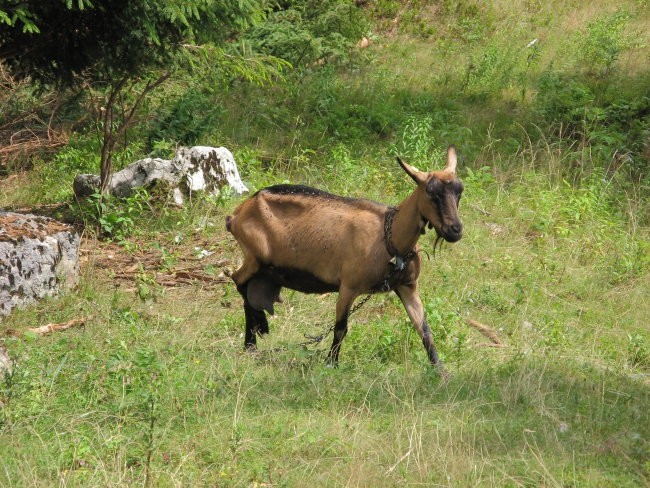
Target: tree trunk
(112,132)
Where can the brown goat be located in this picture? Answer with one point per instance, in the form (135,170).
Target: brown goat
(315,242)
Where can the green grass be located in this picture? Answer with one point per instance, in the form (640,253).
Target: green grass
(162,391)
(156,390)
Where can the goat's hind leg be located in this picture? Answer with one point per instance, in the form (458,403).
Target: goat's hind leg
(256,322)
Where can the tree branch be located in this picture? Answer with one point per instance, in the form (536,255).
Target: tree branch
(150,86)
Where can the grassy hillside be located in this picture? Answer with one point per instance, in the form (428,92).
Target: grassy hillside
(553,138)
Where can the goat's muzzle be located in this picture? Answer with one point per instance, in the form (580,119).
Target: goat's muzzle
(452,233)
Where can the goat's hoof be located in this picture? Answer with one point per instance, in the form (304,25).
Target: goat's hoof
(331,363)
(250,347)
(444,374)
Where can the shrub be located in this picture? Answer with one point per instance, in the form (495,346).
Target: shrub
(603,41)
(310,31)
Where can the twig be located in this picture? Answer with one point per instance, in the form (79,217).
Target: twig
(486,344)
(486,331)
(5,362)
(174,278)
(480,209)
(392,468)
(188,275)
(49,328)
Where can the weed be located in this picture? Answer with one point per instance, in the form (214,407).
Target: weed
(309,32)
(147,287)
(115,217)
(603,41)
(479,181)
(638,351)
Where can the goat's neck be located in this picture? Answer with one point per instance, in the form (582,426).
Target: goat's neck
(407,225)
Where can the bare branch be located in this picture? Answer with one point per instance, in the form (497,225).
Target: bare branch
(486,331)
(49,328)
(150,86)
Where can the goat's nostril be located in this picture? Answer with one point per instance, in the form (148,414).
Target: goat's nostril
(457,228)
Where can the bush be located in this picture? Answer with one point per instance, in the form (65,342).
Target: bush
(186,122)
(310,31)
(603,41)
(615,127)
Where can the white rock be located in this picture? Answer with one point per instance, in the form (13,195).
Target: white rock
(38,258)
(208,169)
(198,168)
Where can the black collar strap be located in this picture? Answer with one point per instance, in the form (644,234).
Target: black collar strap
(388,231)
(398,262)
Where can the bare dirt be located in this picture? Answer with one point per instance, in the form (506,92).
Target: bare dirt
(183,267)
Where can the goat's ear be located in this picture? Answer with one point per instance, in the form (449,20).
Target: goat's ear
(451,160)
(418,176)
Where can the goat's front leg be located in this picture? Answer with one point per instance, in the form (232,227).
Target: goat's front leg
(343,304)
(415,310)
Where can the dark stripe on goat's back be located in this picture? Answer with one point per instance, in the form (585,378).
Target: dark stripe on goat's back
(309,192)
(306,191)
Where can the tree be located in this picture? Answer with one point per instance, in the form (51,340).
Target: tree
(116,46)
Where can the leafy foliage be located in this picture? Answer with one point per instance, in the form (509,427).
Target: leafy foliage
(116,46)
(309,31)
(615,127)
(603,41)
(109,40)
(555,259)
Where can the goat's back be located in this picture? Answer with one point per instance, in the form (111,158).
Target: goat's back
(305,228)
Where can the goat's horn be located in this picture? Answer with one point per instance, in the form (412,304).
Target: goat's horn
(451,159)
(418,176)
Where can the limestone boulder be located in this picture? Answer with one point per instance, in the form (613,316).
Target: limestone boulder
(143,173)
(193,169)
(38,258)
(208,169)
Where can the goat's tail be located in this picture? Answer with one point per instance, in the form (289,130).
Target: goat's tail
(229,223)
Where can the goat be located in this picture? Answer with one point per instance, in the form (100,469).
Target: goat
(308,240)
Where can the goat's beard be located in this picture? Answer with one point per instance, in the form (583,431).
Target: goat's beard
(437,244)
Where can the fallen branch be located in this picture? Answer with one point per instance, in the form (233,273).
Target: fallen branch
(49,328)
(5,362)
(198,276)
(482,345)
(480,209)
(172,278)
(486,331)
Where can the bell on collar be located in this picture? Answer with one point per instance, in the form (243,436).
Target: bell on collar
(398,262)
